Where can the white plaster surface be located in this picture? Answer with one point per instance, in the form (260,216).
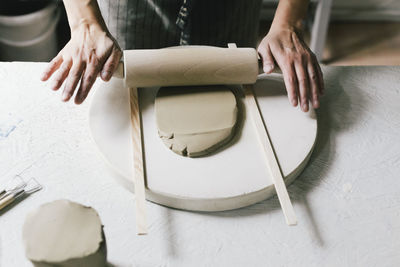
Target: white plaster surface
(234,177)
(347,200)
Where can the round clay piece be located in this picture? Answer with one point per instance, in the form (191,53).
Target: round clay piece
(64,233)
(195,120)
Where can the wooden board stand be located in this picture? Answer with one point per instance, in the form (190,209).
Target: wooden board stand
(272,162)
(138,173)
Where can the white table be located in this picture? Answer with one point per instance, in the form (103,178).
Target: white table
(347,200)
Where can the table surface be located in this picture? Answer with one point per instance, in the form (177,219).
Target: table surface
(347,199)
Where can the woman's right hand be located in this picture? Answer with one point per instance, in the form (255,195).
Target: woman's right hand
(91,51)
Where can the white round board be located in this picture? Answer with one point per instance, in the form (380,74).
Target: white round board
(234,177)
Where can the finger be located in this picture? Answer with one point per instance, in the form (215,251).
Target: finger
(111,65)
(268,59)
(74,76)
(53,65)
(314,84)
(61,75)
(289,74)
(304,87)
(87,81)
(321,85)
(289,77)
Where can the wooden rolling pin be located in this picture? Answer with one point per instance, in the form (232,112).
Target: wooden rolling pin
(191,65)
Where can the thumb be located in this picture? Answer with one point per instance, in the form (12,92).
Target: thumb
(268,60)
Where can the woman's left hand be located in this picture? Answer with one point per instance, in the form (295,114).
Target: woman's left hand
(302,74)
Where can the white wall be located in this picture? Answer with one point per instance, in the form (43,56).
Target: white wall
(367,4)
(366,10)
(388,10)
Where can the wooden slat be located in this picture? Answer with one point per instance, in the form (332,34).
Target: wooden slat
(138,177)
(268,150)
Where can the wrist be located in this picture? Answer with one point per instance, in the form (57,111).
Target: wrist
(86,25)
(287,26)
(289,15)
(84,14)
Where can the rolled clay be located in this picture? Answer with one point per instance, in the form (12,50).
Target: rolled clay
(64,233)
(195,120)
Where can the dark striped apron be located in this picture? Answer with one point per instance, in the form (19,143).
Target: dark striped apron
(142,24)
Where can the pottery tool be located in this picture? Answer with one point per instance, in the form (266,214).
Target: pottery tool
(138,177)
(13,184)
(187,65)
(31,186)
(266,145)
(272,162)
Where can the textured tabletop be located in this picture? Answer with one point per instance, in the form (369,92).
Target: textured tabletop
(347,200)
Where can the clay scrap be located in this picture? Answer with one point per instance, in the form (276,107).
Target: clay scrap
(64,233)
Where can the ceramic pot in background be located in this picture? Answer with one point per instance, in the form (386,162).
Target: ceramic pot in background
(28,30)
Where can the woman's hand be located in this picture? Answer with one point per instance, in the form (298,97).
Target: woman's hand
(302,74)
(90,52)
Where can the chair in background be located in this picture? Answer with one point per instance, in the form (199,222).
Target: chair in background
(319,27)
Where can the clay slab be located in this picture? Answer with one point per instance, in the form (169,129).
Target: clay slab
(195,120)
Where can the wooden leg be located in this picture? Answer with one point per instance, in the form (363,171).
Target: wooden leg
(320,27)
(138,177)
(272,162)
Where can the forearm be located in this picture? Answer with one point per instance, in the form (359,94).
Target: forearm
(84,12)
(290,13)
